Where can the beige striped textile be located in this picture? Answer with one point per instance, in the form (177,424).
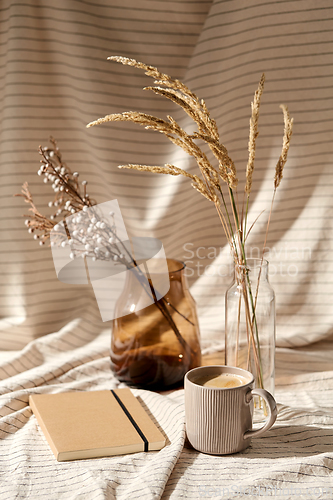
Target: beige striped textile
(54,79)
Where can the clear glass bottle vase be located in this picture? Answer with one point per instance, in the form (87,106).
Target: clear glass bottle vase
(250,323)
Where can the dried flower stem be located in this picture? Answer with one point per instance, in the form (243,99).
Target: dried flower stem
(209,186)
(255,105)
(69,200)
(288,129)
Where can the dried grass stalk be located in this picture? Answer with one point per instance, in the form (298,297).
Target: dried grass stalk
(168,169)
(181,95)
(209,185)
(288,130)
(255,105)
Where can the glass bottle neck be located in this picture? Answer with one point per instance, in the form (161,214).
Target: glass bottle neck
(254,268)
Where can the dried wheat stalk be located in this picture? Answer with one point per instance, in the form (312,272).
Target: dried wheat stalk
(288,130)
(209,185)
(255,105)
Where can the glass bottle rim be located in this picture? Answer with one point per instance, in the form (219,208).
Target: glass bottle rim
(253,263)
(256,268)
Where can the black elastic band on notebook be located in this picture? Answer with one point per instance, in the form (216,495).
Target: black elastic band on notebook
(133,422)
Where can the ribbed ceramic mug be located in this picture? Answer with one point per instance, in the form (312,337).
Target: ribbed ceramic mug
(219,420)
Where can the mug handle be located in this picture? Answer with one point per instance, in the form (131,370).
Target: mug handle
(271,403)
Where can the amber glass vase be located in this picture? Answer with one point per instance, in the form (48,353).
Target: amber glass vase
(154,347)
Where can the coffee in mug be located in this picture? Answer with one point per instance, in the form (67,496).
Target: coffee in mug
(224,380)
(219,409)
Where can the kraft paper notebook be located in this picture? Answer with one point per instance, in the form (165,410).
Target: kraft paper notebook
(95,424)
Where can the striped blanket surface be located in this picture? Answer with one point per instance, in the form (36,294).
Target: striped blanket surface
(293,460)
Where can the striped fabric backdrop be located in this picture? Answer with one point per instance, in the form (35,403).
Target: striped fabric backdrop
(55,78)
